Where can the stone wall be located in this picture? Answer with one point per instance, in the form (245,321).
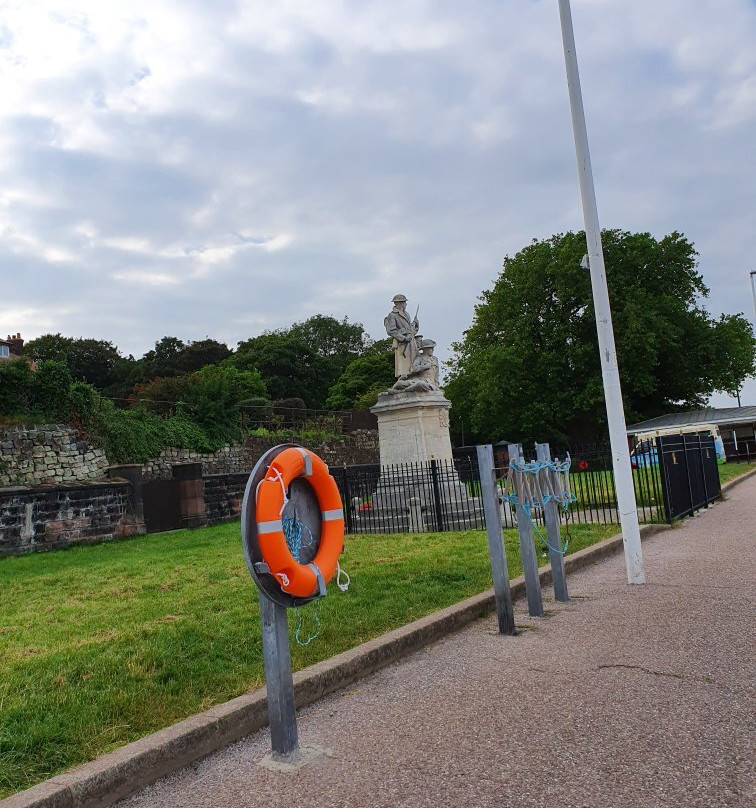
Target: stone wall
(354,449)
(33,519)
(48,497)
(46,455)
(223,496)
(54,453)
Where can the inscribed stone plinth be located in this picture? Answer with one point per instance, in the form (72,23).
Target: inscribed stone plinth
(413,427)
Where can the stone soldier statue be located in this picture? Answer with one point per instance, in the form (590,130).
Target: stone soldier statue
(403,330)
(426,364)
(423,375)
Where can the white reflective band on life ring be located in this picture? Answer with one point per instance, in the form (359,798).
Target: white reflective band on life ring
(307,461)
(269,527)
(331,516)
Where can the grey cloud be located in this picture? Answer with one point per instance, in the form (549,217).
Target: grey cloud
(378,170)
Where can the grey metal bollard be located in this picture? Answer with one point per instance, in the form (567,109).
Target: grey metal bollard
(551,517)
(527,549)
(489,495)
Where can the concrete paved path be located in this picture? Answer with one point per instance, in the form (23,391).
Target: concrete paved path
(628,696)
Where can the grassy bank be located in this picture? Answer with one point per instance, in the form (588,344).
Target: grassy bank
(102,645)
(729,471)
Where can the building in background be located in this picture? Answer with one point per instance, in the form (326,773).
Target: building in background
(12,347)
(736,425)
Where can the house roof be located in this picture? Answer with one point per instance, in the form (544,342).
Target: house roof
(709,415)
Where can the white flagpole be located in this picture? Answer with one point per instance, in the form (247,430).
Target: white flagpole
(623,474)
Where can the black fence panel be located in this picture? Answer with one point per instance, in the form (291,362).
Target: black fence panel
(711,471)
(411,497)
(690,476)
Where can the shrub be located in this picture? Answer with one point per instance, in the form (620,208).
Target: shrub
(50,390)
(288,412)
(255,412)
(86,407)
(15,387)
(135,436)
(132,436)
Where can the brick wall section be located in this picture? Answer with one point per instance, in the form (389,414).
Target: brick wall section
(41,518)
(224,492)
(354,449)
(49,454)
(223,496)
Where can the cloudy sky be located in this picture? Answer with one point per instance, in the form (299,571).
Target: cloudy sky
(220,167)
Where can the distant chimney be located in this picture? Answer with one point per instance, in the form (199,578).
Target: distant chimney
(16,343)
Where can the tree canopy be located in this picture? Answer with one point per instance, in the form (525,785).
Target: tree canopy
(163,360)
(336,342)
(199,354)
(330,337)
(288,366)
(209,397)
(88,360)
(528,367)
(364,377)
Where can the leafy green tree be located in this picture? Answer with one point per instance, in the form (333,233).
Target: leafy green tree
(210,397)
(337,342)
(365,377)
(89,360)
(163,360)
(197,355)
(528,366)
(125,375)
(332,338)
(289,367)
(733,352)
(49,346)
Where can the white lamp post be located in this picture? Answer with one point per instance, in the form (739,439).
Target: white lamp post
(623,474)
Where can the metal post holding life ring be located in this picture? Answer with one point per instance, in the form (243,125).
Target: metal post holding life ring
(288,481)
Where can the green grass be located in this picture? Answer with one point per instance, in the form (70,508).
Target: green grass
(729,471)
(102,645)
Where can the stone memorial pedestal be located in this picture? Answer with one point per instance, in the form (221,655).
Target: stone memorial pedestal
(419,487)
(413,427)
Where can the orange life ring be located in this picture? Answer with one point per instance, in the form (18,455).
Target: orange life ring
(299,580)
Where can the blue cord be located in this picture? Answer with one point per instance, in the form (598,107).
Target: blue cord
(544,541)
(300,622)
(563,499)
(294,531)
(298,536)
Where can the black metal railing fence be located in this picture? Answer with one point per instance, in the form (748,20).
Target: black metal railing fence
(405,497)
(445,495)
(671,477)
